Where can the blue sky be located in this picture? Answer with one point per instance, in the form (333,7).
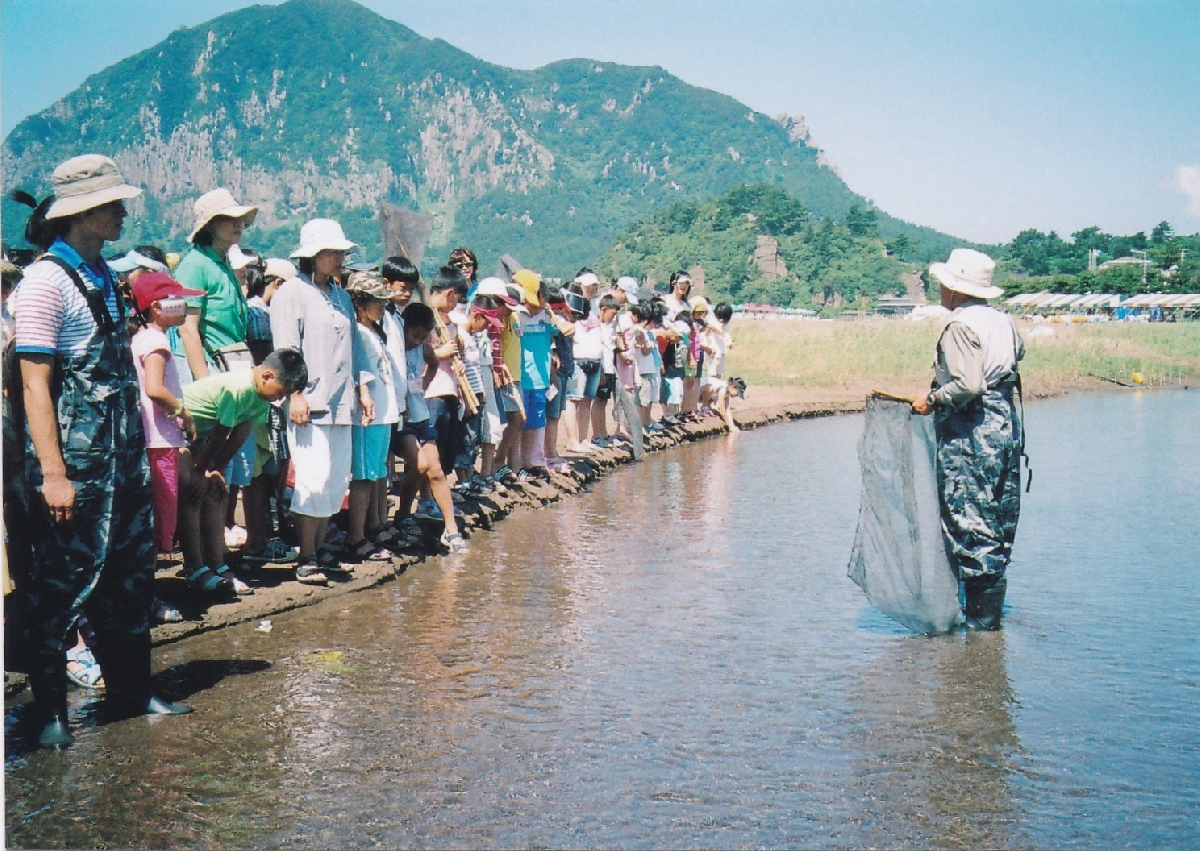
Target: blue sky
(977,118)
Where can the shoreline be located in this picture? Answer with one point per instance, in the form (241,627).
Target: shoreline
(276,591)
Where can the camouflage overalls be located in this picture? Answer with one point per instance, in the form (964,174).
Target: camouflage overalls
(979,480)
(102,563)
(979,448)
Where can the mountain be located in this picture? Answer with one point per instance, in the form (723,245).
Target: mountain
(324,108)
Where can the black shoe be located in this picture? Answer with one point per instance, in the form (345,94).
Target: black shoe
(49,689)
(126,666)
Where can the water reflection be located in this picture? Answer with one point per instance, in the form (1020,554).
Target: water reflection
(678,659)
(937,744)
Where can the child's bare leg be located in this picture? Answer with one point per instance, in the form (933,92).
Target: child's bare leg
(550,443)
(191,499)
(413,476)
(487,459)
(581,410)
(360,502)
(310,533)
(432,469)
(599,418)
(377,513)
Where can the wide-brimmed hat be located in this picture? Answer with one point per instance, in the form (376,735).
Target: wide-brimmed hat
(369,284)
(219,202)
(530,282)
(151,286)
(239,259)
(969,272)
(497,289)
(321,235)
(277,267)
(86,182)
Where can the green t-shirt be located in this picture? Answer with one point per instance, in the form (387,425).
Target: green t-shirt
(225,398)
(222,307)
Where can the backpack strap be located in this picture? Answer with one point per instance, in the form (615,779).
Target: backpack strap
(93,296)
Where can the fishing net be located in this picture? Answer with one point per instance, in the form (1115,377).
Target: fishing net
(899,558)
(404,232)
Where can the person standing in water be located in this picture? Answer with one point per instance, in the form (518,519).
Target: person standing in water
(976,404)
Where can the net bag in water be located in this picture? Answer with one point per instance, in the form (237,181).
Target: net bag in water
(899,558)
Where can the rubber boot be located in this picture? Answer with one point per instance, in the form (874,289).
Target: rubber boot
(984,602)
(49,687)
(125,663)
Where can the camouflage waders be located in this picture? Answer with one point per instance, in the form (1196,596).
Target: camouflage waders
(979,480)
(101,563)
(979,488)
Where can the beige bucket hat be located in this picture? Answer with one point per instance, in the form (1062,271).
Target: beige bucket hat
(219,202)
(85,182)
(969,272)
(321,235)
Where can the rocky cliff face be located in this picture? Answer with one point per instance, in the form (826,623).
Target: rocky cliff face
(346,109)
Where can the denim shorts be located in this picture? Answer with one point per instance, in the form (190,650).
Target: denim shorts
(586,380)
(556,406)
(424,431)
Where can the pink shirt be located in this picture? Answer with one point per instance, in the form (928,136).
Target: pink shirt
(161,430)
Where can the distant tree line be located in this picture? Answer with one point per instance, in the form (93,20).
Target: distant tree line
(1036,261)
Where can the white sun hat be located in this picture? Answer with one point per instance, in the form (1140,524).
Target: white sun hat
(86,182)
(969,272)
(321,235)
(219,202)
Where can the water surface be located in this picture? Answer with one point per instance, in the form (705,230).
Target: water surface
(678,659)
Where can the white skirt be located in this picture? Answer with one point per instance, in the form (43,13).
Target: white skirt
(321,457)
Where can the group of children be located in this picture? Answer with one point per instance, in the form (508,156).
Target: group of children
(469,384)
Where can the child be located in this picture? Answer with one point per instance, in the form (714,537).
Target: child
(606,309)
(717,345)
(505,417)
(159,300)
(484,315)
(645,348)
(224,407)
(536,328)
(562,370)
(419,437)
(734,388)
(445,395)
(368,532)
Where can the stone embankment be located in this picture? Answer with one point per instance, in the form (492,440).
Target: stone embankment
(277,591)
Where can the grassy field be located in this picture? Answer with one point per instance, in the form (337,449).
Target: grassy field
(898,353)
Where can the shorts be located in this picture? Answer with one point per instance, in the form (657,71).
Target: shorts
(369,450)
(605,390)
(586,381)
(240,470)
(423,432)
(510,398)
(648,392)
(556,406)
(535,409)
(672,392)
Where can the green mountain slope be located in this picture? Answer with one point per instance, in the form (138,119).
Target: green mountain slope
(340,109)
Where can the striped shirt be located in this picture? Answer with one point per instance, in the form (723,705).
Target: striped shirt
(51,315)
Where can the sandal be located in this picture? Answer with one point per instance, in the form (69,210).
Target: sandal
(239,587)
(83,669)
(332,566)
(310,573)
(208,581)
(368,550)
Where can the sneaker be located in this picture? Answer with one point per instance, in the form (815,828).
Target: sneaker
(428,511)
(275,552)
(310,573)
(454,543)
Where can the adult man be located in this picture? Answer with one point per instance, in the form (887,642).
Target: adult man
(87,482)
(975,401)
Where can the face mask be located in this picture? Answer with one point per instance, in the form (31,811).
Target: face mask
(172,306)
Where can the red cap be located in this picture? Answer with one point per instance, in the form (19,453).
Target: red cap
(149,287)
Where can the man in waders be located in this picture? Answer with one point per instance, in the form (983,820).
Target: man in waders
(975,402)
(87,481)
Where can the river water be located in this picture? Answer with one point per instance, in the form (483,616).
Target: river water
(678,659)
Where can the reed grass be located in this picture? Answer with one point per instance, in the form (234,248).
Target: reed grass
(895,352)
